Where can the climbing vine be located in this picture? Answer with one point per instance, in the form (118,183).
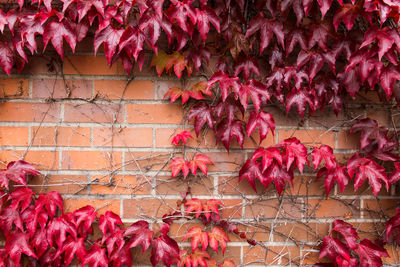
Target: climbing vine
(310,54)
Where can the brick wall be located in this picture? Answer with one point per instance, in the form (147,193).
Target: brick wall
(101,140)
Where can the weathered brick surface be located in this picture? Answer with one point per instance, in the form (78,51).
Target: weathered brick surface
(101,141)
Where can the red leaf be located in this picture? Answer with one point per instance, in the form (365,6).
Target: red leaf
(204,18)
(300,98)
(267,28)
(386,38)
(200,161)
(210,207)
(268,155)
(294,151)
(251,170)
(247,66)
(395,175)
(225,83)
(109,222)
(393,224)
(338,174)
(6,57)
(254,89)
(263,120)
(333,247)
(279,175)
(348,14)
(10,217)
(370,253)
(140,235)
(110,36)
(195,205)
(177,165)
(96,257)
(365,168)
(198,236)
(50,202)
(85,217)
(326,153)
(388,77)
(72,247)
(57,230)
(226,131)
(164,249)
(56,32)
(197,258)
(347,231)
(184,135)
(16,171)
(218,235)
(16,244)
(229,108)
(202,114)
(21,198)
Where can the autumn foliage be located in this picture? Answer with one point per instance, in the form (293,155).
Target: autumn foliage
(305,55)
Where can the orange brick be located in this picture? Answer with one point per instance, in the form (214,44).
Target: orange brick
(232,253)
(61,136)
(254,255)
(231,186)
(232,208)
(51,88)
(153,208)
(225,162)
(42,160)
(115,89)
(91,65)
(175,186)
(93,113)
(154,113)
(300,232)
(101,205)
(331,208)
(123,137)
(119,185)
(147,161)
(309,137)
(308,186)
(14,88)
(394,255)
(369,230)
(348,141)
(374,208)
(285,255)
(14,136)
(270,207)
(63,184)
(35,112)
(90,160)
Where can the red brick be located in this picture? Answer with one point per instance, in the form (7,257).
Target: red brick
(14,88)
(232,208)
(51,88)
(119,185)
(101,205)
(61,136)
(231,186)
(331,208)
(63,184)
(42,65)
(93,113)
(308,186)
(91,65)
(123,137)
(225,162)
(90,160)
(144,208)
(115,89)
(14,136)
(270,207)
(283,255)
(42,160)
(254,255)
(374,208)
(35,112)
(300,232)
(231,253)
(383,117)
(309,137)
(175,186)
(154,113)
(147,161)
(348,141)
